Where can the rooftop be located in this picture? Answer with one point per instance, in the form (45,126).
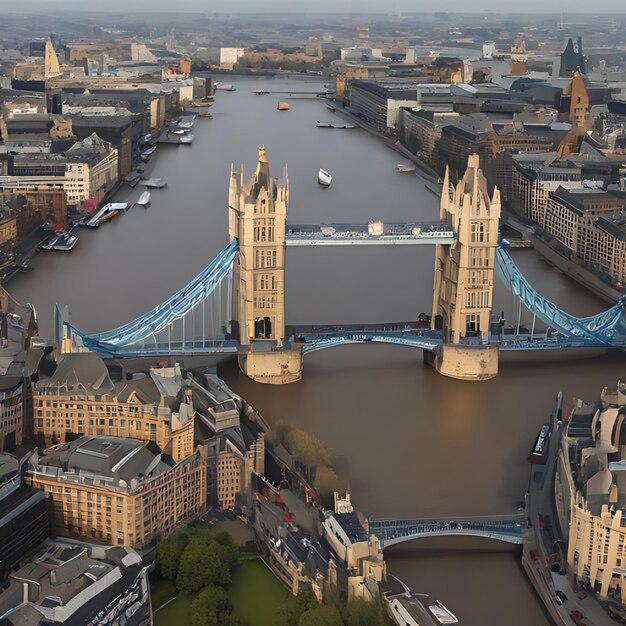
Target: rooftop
(110,459)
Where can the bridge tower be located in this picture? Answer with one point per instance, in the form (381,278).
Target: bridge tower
(464,272)
(257,218)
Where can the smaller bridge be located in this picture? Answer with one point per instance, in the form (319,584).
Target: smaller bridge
(508,528)
(368,234)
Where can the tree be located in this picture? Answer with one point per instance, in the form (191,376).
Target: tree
(321,616)
(209,607)
(169,553)
(201,565)
(289,613)
(325,480)
(227,550)
(363,613)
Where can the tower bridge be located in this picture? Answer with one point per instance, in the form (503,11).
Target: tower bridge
(236,305)
(507,528)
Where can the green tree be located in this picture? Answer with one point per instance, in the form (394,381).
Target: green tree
(209,607)
(321,616)
(201,565)
(227,549)
(362,613)
(289,613)
(169,553)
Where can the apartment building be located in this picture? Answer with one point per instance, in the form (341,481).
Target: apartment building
(118,491)
(80,398)
(91,170)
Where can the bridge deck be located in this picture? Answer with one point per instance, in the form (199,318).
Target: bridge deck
(362,234)
(507,528)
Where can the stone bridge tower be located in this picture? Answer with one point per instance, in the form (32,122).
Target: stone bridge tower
(257,218)
(464,275)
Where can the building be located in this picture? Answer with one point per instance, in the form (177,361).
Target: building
(591,497)
(230,56)
(379,101)
(257,215)
(91,170)
(72,584)
(88,170)
(35,207)
(81,398)
(572,59)
(118,491)
(464,275)
(24,520)
(360,552)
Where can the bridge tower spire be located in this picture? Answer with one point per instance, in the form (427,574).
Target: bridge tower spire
(464,272)
(257,218)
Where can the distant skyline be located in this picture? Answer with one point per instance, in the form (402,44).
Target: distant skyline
(323,6)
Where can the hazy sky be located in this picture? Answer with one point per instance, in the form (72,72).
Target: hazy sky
(341,6)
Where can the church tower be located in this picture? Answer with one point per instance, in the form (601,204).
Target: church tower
(51,67)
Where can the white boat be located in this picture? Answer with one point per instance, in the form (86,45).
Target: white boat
(324,178)
(401,167)
(65,242)
(108,210)
(144,199)
(224,87)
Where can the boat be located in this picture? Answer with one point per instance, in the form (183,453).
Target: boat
(144,199)
(155,183)
(330,107)
(260,92)
(65,242)
(106,213)
(224,87)
(205,114)
(283,106)
(186,138)
(322,124)
(146,153)
(405,168)
(539,454)
(324,178)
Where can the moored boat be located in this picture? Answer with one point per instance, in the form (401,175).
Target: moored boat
(405,167)
(106,213)
(224,87)
(144,199)
(283,106)
(324,178)
(65,242)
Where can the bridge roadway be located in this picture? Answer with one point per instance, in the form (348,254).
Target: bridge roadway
(314,338)
(365,234)
(508,528)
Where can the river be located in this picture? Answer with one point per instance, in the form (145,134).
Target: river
(410,442)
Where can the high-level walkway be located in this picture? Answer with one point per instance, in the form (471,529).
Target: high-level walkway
(365,235)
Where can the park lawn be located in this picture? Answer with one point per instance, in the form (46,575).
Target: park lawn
(255,593)
(176,612)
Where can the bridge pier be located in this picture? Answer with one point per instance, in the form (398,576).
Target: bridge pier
(464,362)
(275,367)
